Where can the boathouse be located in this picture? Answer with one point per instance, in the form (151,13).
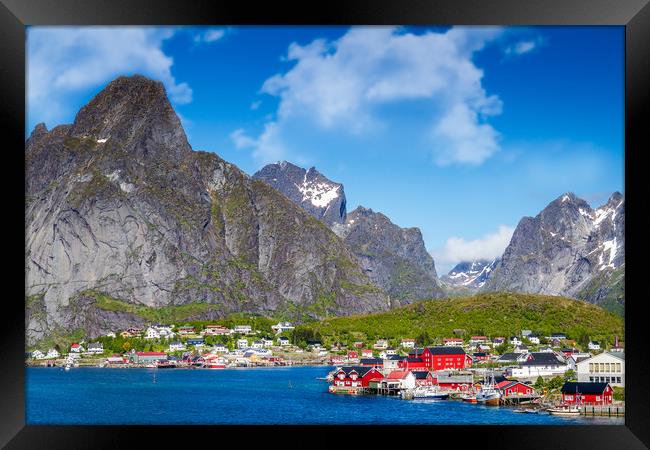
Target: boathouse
(355,376)
(423,378)
(586,393)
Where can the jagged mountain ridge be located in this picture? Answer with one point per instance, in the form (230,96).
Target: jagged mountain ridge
(118,202)
(470,274)
(565,250)
(394,258)
(316,194)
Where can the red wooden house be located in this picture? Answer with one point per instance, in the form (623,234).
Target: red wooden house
(352,354)
(366,353)
(414,364)
(442,358)
(586,393)
(355,376)
(510,387)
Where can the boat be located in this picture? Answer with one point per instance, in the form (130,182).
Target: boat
(430,392)
(564,411)
(166,365)
(489,394)
(526,411)
(469,398)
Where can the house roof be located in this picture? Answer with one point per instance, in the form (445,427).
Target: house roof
(421,374)
(150,353)
(361,370)
(398,374)
(372,361)
(571,387)
(96,345)
(413,360)
(541,359)
(509,357)
(446,350)
(397,357)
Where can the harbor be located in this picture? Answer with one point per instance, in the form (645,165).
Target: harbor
(278,395)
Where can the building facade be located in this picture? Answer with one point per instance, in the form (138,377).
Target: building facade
(603,368)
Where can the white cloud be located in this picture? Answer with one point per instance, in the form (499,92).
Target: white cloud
(339,85)
(458,249)
(272,144)
(64,61)
(256,105)
(522,47)
(211,35)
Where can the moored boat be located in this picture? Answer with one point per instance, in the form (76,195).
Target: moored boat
(489,394)
(430,392)
(564,411)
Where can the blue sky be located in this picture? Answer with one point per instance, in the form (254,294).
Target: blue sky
(459,131)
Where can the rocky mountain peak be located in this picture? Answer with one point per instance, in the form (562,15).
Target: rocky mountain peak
(132,112)
(319,196)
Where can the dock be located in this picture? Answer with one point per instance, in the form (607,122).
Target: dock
(603,410)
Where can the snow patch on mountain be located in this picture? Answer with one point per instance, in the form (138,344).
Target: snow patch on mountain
(319,194)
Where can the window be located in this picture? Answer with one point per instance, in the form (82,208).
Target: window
(591,367)
(618,367)
(607,367)
(591,379)
(618,379)
(602,367)
(596,368)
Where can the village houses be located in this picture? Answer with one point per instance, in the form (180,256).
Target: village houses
(408,343)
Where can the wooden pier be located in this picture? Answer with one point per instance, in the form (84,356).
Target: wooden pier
(603,410)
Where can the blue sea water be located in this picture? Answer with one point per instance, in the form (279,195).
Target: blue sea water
(279,395)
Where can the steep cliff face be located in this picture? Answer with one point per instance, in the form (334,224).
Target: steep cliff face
(394,258)
(319,196)
(568,249)
(119,203)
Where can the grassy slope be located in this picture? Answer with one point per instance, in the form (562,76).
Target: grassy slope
(492,314)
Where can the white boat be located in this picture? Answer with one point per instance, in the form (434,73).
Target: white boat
(564,411)
(430,392)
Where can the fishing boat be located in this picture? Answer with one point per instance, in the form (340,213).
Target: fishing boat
(215,365)
(489,394)
(430,392)
(564,410)
(166,365)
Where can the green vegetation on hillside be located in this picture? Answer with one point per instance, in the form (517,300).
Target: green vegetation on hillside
(607,290)
(491,314)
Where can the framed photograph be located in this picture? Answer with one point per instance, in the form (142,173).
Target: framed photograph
(265,222)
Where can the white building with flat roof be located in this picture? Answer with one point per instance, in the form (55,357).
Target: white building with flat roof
(603,368)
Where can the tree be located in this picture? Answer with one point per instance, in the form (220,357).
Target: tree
(570,375)
(422,339)
(539,384)
(555,383)
(126,346)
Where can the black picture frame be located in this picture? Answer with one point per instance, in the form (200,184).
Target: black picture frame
(16,14)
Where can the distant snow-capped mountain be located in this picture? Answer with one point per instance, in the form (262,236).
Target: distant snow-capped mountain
(470,274)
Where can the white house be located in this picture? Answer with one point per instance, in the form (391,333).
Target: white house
(593,345)
(575,358)
(37,354)
(52,353)
(282,327)
(514,340)
(538,364)
(176,346)
(534,339)
(404,379)
(242,329)
(282,341)
(214,330)
(521,349)
(603,368)
(96,347)
(453,342)
(257,344)
(383,354)
(381,344)
(76,348)
(220,348)
(408,343)
(266,342)
(391,351)
(242,343)
(152,333)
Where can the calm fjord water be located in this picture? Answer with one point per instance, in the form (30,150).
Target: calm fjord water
(280,395)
